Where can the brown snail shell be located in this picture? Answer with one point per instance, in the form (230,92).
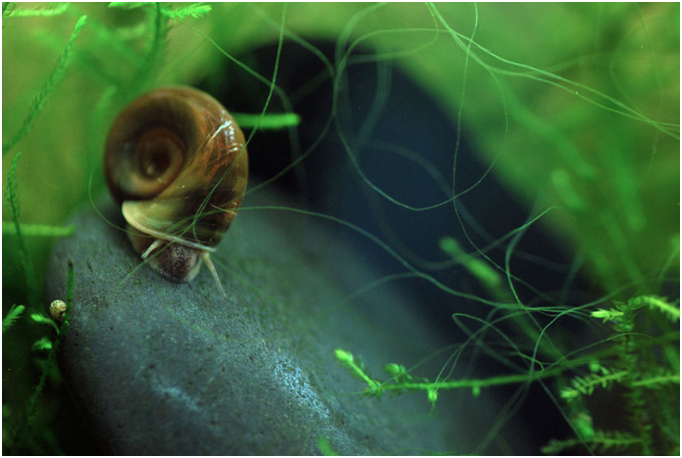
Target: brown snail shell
(176,160)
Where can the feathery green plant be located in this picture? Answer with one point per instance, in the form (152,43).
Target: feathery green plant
(41,99)
(639,378)
(12,315)
(23,428)
(12,197)
(56,10)
(195,10)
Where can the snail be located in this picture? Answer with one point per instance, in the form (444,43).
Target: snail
(176,161)
(58,309)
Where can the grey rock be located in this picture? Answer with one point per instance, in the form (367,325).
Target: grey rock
(162,368)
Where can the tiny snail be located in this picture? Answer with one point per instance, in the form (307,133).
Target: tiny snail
(176,161)
(58,309)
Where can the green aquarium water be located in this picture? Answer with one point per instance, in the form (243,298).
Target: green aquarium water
(511,169)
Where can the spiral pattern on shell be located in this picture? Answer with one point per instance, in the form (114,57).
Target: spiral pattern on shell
(177,161)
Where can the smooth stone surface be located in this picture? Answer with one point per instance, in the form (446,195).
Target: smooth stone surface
(163,368)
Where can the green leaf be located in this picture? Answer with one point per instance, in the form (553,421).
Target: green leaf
(42,319)
(43,344)
(13,315)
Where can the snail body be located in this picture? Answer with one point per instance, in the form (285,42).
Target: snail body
(176,161)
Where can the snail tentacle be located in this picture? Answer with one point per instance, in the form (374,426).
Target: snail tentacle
(157,243)
(207,260)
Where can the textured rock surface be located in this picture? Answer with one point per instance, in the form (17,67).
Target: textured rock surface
(163,368)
